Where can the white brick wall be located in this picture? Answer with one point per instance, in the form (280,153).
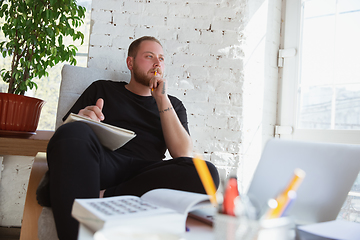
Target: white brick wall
(224,90)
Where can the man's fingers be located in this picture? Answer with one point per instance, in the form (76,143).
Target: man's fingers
(94,112)
(100,103)
(155,82)
(153,85)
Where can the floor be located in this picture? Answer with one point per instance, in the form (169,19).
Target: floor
(9,233)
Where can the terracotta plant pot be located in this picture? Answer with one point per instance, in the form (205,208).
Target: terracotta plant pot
(19,113)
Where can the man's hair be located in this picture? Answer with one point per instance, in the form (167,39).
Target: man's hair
(134,46)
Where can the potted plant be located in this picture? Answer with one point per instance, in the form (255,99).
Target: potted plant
(34,32)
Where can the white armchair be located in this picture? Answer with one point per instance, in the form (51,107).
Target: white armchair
(38,222)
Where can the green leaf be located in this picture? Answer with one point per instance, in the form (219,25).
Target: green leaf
(47,14)
(60,40)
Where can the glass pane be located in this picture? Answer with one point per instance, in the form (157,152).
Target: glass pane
(348,47)
(347,114)
(347,5)
(316,8)
(317,55)
(315,107)
(351,208)
(329,65)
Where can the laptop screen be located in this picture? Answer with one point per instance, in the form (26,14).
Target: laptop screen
(331,170)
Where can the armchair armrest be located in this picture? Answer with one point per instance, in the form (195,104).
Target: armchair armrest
(32,210)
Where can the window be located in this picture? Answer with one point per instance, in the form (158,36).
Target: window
(329,86)
(320,85)
(49,86)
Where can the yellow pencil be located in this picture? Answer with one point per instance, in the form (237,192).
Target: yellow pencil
(154,75)
(284,198)
(206,178)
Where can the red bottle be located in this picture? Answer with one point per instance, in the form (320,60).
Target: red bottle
(231,193)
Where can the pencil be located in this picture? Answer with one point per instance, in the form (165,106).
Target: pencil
(206,178)
(154,75)
(284,199)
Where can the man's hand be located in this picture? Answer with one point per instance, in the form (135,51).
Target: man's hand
(177,140)
(158,86)
(94,112)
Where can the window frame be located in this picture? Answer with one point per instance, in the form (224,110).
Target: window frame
(289,82)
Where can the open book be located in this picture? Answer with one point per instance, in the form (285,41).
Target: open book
(159,209)
(110,136)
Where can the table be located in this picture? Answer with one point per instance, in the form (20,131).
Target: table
(197,231)
(25,146)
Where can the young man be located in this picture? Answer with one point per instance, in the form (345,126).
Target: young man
(80,167)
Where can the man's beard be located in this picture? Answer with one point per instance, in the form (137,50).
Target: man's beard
(141,77)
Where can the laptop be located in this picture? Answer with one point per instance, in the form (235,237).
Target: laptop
(331,170)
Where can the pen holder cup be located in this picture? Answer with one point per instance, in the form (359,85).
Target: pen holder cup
(234,228)
(275,229)
(228,227)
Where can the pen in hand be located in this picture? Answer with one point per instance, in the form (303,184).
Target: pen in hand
(152,89)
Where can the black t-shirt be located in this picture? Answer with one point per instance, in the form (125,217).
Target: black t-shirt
(127,110)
